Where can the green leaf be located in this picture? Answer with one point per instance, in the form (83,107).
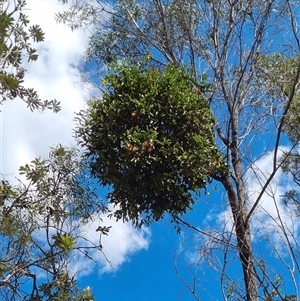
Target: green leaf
(37,33)
(65,242)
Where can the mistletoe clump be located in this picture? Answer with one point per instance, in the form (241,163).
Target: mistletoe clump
(151,139)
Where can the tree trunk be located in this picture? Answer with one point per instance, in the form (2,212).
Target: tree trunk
(237,196)
(243,236)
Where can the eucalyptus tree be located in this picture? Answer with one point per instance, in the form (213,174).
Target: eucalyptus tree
(43,222)
(246,50)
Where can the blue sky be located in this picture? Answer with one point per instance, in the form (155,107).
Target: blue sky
(143,260)
(149,275)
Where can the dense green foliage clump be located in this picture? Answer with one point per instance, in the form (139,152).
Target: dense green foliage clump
(151,139)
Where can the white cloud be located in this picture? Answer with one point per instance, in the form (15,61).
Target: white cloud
(271,220)
(275,231)
(26,135)
(122,241)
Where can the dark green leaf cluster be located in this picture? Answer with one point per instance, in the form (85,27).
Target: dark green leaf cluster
(15,45)
(151,138)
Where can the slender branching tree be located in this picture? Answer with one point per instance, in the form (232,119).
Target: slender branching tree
(248,51)
(43,222)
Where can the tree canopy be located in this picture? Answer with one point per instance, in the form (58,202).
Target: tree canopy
(248,52)
(41,228)
(216,101)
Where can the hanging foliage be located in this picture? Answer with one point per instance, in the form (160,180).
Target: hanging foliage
(151,139)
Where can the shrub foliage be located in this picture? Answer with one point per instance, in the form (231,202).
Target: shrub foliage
(150,137)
